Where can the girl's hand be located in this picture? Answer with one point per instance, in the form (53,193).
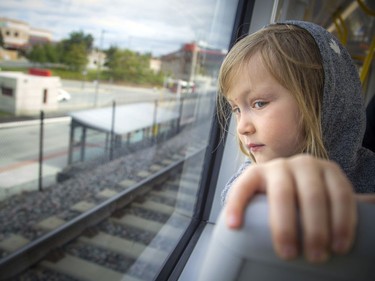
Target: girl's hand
(318,188)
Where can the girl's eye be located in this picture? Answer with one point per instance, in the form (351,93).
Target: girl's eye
(236,110)
(259,104)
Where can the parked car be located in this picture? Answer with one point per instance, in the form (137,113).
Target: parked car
(63,95)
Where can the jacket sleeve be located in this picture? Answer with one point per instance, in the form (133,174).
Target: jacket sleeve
(228,186)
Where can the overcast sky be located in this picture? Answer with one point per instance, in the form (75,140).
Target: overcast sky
(157,26)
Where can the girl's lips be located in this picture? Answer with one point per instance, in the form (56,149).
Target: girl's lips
(255,147)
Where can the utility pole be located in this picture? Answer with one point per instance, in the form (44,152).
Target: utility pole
(99,62)
(194,59)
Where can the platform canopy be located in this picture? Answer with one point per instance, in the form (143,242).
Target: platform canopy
(128,118)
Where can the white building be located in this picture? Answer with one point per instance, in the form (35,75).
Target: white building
(96,60)
(25,94)
(155,65)
(19,35)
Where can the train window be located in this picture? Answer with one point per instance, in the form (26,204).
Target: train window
(353,24)
(101,180)
(110,177)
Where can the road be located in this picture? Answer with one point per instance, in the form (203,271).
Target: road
(19,144)
(89,94)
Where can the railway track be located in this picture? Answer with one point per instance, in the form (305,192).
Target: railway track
(123,235)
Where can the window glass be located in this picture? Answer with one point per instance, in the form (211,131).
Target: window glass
(7,91)
(131,92)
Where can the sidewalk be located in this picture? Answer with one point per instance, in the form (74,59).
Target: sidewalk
(20,172)
(14,122)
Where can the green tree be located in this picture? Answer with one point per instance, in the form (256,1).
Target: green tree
(72,51)
(59,52)
(37,54)
(76,57)
(78,38)
(75,50)
(129,66)
(43,53)
(110,56)
(51,53)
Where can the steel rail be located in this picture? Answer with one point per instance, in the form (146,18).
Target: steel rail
(36,250)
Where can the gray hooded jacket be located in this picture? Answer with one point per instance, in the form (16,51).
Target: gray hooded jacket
(343,118)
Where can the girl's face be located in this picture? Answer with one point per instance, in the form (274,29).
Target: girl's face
(267,114)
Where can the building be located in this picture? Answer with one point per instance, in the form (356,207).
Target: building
(28,94)
(155,65)
(192,60)
(19,35)
(96,60)
(8,54)
(39,36)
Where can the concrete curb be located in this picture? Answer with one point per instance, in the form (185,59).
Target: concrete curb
(34,122)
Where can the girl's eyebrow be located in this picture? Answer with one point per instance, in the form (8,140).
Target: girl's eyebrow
(243,93)
(231,101)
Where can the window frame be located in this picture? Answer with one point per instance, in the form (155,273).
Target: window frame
(177,260)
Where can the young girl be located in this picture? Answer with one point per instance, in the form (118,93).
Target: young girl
(296,96)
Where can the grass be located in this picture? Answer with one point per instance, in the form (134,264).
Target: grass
(5,114)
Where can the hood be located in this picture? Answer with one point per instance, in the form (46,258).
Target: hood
(343,116)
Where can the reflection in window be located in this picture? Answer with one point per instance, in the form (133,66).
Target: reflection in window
(352,22)
(142,82)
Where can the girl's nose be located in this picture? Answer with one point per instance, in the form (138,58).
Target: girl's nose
(245,126)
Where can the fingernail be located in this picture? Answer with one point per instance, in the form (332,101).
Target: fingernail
(288,252)
(317,255)
(340,246)
(232,221)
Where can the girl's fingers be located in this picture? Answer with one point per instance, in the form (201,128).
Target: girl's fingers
(343,209)
(318,188)
(314,208)
(281,196)
(240,194)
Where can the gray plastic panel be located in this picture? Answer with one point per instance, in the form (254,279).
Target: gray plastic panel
(247,254)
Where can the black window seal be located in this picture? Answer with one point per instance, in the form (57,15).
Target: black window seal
(176,262)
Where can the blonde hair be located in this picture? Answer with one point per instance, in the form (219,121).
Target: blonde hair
(292,57)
